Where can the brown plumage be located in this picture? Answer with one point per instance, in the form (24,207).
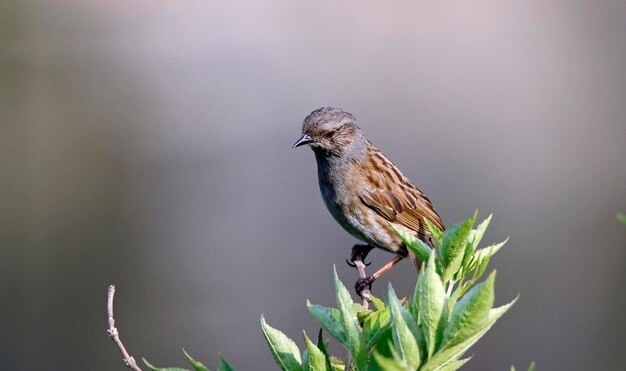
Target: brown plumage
(361,188)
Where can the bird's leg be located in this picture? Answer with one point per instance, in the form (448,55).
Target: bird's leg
(357,260)
(359,252)
(363,284)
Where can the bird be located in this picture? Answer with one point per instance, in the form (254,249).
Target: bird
(364,191)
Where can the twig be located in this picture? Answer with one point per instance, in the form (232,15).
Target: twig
(128,360)
(365,293)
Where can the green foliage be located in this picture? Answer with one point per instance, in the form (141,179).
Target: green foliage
(432,330)
(448,313)
(285,351)
(621,217)
(197,366)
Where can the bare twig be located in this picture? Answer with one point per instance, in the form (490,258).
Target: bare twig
(365,293)
(128,360)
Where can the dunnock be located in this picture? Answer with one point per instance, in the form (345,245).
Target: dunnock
(363,190)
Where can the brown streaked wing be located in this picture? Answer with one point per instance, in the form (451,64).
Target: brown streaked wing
(407,210)
(394,197)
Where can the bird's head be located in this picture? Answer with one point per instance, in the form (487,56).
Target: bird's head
(329,130)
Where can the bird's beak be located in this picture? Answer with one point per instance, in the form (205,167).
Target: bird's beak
(304,139)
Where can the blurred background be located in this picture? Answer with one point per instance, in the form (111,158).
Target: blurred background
(148,144)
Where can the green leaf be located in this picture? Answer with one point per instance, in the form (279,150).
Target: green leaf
(375,325)
(285,351)
(477,234)
(453,245)
(384,344)
(404,331)
(388,364)
(330,319)
(470,313)
(419,248)
(489,251)
(435,232)
(476,266)
(479,270)
(432,298)
(378,304)
(454,365)
(395,355)
(349,320)
(337,364)
(195,364)
(445,354)
(621,217)
(316,361)
(321,345)
(466,262)
(151,367)
(496,313)
(222,365)
(474,238)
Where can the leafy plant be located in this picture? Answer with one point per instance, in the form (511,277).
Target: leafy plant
(447,314)
(621,217)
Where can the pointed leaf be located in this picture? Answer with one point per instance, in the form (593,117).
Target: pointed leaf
(321,345)
(477,234)
(456,295)
(195,364)
(350,323)
(285,351)
(337,364)
(453,246)
(388,364)
(330,319)
(445,354)
(454,240)
(435,232)
(396,356)
(496,313)
(223,365)
(151,367)
(316,360)
(470,313)
(419,248)
(378,304)
(455,365)
(465,264)
(485,252)
(454,266)
(346,306)
(404,331)
(432,297)
(375,326)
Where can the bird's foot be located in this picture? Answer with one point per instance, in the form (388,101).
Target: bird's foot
(363,284)
(359,252)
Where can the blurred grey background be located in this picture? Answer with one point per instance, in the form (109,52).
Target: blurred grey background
(148,144)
